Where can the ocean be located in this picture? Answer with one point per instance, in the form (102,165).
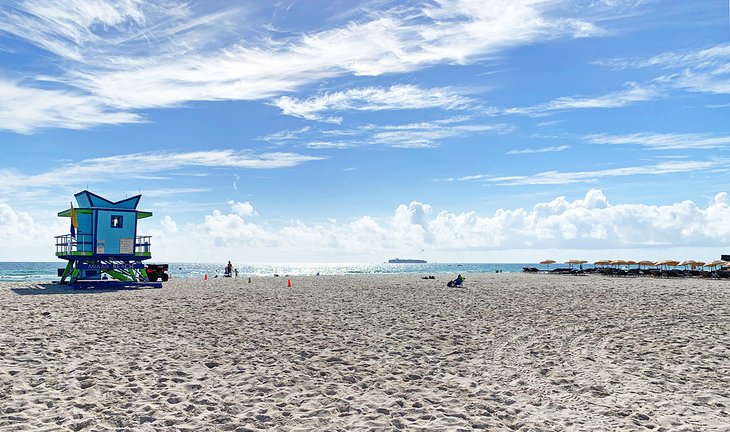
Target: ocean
(46,271)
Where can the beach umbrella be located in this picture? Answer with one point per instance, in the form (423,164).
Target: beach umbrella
(631,262)
(668,263)
(645,263)
(602,262)
(547,262)
(575,262)
(687,263)
(619,262)
(715,263)
(698,264)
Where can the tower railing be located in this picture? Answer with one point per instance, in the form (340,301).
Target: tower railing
(142,245)
(67,245)
(83,245)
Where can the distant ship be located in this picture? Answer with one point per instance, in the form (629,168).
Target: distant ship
(406,261)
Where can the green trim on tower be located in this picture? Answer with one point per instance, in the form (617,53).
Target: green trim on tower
(74,253)
(67,212)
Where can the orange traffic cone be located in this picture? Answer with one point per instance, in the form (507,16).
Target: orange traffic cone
(288,283)
(205,277)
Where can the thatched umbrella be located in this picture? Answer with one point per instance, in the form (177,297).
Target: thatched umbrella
(646,263)
(715,263)
(548,262)
(602,263)
(575,262)
(667,263)
(687,263)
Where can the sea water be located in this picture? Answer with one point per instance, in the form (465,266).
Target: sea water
(47,271)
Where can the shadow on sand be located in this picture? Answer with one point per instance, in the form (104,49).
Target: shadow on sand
(50,288)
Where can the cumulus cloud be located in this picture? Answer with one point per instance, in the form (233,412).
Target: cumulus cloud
(26,237)
(232,230)
(242,209)
(590,224)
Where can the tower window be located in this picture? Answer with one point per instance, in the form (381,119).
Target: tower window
(117,221)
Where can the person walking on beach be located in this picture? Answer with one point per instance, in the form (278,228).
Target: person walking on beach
(229,269)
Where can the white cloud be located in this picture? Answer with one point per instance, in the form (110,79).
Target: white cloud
(427,134)
(115,33)
(716,81)
(713,56)
(24,109)
(329,144)
(26,237)
(409,135)
(663,141)
(632,94)
(160,192)
(133,55)
(557,177)
(285,136)
(590,225)
(105,169)
(396,97)
(243,209)
(539,150)
(703,71)
(231,230)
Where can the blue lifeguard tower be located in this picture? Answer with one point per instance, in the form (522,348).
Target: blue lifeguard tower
(103,248)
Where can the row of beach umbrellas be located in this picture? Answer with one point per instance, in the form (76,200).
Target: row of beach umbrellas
(647,263)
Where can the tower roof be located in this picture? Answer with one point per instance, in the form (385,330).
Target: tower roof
(88,201)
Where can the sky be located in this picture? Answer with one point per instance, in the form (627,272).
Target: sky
(346,131)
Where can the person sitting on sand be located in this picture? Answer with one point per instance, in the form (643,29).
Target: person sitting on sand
(456,282)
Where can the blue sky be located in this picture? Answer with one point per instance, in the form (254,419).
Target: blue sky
(311,131)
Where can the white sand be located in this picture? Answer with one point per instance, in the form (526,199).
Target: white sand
(506,352)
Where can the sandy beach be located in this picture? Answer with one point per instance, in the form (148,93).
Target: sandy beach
(505,352)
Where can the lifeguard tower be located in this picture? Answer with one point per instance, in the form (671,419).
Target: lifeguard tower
(103,248)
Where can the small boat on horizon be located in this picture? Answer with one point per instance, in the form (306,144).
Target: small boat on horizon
(406,261)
